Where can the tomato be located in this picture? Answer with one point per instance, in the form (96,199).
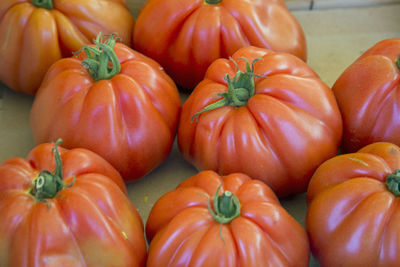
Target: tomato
(367,95)
(353,216)
(62,207)
(36,33)
(275,120)
(185,37)
(125,109)
(242,225)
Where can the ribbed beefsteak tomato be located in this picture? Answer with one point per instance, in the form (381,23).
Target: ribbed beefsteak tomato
(215,221)
(62,207)
(354,208)
(111,100)
(36,33)
(275,120)
(185,37)
(367,93)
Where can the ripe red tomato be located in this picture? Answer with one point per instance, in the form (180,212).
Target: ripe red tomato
(185,37)
(242,225)
(354,213)
(62,207)
(275,121)
(367,95)
(125,109)
(36,33)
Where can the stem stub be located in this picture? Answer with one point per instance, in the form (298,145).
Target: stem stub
(240,88)
(101,60)
(47,4)
(226,207)
(48,184)
(393,183)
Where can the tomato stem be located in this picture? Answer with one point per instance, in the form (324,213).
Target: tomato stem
(47,4)
(47,184)
(101,60)
(393,183)
(240,88)
(398,62)
(212,2)
(226,207)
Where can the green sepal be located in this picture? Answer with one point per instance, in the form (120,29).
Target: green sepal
(226,207)
(393,183)
(47,4)
(101,60)
(240,88)
(48,184)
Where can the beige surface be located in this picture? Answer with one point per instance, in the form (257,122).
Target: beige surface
(294,5)
(318,4)
(336,37)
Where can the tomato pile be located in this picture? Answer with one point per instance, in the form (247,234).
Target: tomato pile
(259,124)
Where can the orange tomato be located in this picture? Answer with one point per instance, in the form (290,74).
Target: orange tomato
(354,208)
(36,33)
(128,115)
(367,95)
(185,37)
(242,225)
(62,207)
(275,121)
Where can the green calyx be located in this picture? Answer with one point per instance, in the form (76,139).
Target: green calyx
(398,62)
(47,4)
(212,2)
(240,89)
(226,207)
(393,183)
(101,60)
(48,184)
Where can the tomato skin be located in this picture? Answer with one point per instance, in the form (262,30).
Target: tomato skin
(91,223)
(290,126)
(183,233)
(130,119)
(191,34)
(367,95)
(352,217)
(34,38)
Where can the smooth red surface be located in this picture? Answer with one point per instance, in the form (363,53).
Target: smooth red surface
(33,38)
(183,233)
(352,218)
(290,126)
(186,36)
(368,96)
(91,223)
(130,119)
